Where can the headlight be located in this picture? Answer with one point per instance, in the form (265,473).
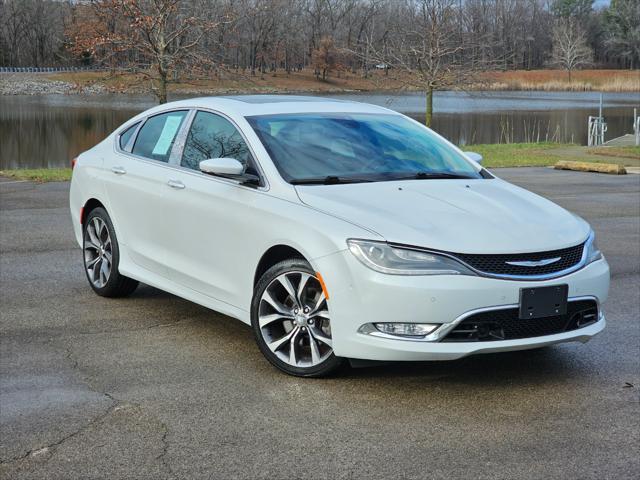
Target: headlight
(383,258)
(593,252)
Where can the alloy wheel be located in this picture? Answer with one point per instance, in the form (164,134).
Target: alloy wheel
(98,254)
(294,319)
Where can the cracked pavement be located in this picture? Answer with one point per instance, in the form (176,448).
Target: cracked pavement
(153,386)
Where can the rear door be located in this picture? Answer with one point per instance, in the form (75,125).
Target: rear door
(136,183)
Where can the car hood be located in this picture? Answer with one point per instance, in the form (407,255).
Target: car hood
(464,216)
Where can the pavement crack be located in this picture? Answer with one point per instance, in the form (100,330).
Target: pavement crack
(165,448)
(51,447)
(75,365)
(71,358)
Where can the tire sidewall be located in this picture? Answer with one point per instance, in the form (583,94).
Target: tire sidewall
(113,281)
(292,265)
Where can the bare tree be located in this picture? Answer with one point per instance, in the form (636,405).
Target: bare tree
(430,39)
(156,37)
(570,49)
(428,51)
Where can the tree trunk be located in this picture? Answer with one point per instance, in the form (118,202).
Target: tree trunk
(569,70)
(161,93)
(162,90)
(429,106)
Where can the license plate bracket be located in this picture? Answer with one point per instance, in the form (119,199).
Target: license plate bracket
(540,302)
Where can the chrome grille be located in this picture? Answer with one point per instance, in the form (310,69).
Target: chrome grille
(497,264)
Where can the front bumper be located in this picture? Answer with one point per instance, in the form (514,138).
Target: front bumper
(358,295)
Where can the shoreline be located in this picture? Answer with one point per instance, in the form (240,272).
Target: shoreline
(102,83)
(497,155)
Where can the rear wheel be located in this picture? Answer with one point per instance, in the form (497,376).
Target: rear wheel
(102,255)
(291,320)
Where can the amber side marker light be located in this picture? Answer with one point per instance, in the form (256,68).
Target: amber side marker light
(73,162)
(322,284)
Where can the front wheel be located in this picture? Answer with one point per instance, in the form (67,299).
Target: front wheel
(291,320)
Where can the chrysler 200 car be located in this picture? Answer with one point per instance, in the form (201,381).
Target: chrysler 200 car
(336,230)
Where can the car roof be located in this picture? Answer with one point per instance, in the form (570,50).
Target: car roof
(248,105)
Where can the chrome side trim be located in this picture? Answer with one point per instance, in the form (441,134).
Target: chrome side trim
(582,263)
(442,332)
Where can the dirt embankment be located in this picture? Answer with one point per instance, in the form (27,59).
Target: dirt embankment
(306,81)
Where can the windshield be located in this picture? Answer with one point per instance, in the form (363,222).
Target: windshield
(347,148)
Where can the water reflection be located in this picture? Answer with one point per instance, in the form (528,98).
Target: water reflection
(47,131)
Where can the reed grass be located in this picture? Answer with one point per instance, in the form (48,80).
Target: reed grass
(558,80)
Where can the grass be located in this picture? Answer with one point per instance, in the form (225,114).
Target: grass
(619,152)
(517,154)
(39,175)
(545,154)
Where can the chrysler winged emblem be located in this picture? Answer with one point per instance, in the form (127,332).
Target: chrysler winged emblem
(535,263)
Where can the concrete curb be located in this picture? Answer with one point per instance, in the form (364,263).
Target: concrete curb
(610,168)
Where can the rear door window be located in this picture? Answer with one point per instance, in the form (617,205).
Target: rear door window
(155,138)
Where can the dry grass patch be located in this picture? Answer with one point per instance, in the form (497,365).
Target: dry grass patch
(39,175)
(558,80)
(619,152)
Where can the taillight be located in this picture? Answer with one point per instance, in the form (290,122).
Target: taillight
(73,163)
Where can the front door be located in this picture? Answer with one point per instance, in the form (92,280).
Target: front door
(212,218)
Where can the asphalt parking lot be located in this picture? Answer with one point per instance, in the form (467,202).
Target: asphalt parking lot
(153,386)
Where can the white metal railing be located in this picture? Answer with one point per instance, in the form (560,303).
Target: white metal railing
(597,128)
(636,126)
(48,69)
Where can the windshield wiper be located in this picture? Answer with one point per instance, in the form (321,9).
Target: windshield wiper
(432,175)
(328,180)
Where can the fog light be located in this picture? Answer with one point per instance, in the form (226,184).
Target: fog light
(406,329)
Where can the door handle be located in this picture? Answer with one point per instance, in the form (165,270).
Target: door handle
(118,170)
(176,184)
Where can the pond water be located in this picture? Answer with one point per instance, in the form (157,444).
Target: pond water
(47,131)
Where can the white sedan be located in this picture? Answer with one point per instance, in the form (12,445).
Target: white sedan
(337,230)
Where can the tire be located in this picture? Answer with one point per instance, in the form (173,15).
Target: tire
(101,256)
(287,317)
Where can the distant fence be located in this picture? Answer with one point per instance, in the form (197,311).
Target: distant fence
(48,69)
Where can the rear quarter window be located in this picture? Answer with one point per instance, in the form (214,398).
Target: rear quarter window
(126,135)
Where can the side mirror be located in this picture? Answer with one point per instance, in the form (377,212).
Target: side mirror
(222,166)
(476,157)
